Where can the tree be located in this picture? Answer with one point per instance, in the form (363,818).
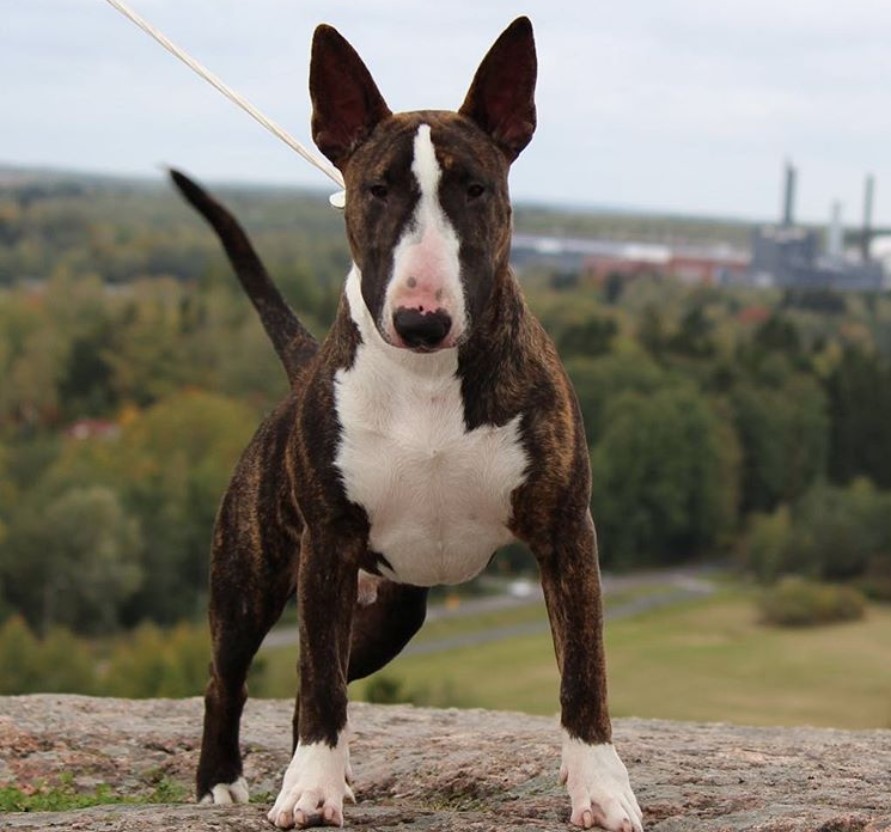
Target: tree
(169,467)
(179,456)
(85,385)
(694,337)
(152,662)
(859,392)
(145,357)
(768,545)
(74,562)
(830,533)
(28,395)
(778,334)
(784,435)
(663,489)
(840,530)
(598,381)
(590,338)
(651,330)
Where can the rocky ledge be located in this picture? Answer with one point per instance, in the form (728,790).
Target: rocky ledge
(425,770)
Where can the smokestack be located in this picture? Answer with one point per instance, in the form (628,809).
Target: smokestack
(834,244)
(789,196)
(868,196)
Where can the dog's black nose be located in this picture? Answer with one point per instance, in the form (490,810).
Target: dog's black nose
(421,330)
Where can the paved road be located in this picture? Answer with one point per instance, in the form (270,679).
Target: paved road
(676,586)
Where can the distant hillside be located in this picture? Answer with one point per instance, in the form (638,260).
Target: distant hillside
(107,225)
(621,225)
(123,229)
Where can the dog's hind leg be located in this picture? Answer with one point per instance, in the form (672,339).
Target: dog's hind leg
(248,590)
(384,622)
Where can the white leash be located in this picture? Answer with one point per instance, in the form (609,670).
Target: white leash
(337,200)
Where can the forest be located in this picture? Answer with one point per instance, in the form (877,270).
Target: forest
(751,427)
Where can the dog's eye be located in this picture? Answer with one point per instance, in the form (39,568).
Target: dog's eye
(379,191)
(475,190)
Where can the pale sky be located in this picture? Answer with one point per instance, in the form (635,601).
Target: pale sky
(682,106)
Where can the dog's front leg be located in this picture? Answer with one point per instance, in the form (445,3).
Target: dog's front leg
(317,779)
(597,780)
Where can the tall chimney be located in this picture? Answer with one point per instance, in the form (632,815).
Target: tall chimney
(834,243)
(789,196)
(868,196)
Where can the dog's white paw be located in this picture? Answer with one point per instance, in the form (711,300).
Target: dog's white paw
(314,786)
(225,794)
(599,789)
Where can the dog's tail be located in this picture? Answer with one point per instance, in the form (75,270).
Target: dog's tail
(294,344)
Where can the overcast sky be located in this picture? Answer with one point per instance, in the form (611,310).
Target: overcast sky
(685,106)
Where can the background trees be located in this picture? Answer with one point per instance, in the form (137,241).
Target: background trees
(664,480)
(78,561)
(133,372)
(859,398)
(783,429)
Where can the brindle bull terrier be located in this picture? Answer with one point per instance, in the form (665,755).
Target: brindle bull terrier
(432,425)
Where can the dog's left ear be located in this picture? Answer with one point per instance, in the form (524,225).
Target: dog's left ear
(346,103)
(501,98)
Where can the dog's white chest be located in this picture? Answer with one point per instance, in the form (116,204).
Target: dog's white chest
(437,496)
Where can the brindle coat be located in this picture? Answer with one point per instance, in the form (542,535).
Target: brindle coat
(285,523)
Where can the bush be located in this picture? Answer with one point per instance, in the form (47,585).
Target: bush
(768,547)
(840,529)
(390,690)
(145,663)
(58,663)
(795,602)
(876,582)
(385,690)
(665,476)
(830,534)
(153,662)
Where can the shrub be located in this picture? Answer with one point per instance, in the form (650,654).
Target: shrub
(838,530)
(830,534)
(664,482)
(154,662)
(795,602)
(147,662)
(389,690)
(876,582)
(769,544)
(58,663)
(385,690)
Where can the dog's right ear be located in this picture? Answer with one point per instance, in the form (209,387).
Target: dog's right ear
(346,103)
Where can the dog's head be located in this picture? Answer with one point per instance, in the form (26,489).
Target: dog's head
(427,206)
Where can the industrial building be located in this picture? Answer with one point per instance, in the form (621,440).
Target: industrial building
(785,255)
(791,257)
(596,260)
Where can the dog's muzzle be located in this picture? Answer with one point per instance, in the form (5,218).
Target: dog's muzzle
(420,330)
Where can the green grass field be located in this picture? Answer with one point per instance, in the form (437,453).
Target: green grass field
(703,660)
(713,661)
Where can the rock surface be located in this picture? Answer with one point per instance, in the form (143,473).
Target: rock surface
(429,770)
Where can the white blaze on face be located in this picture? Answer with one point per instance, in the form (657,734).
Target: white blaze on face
(426,267)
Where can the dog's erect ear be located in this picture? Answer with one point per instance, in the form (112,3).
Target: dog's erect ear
(501,98)
(346,104)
